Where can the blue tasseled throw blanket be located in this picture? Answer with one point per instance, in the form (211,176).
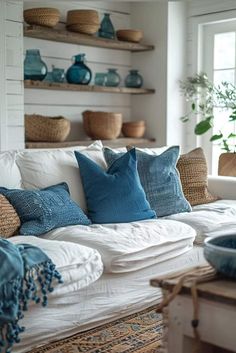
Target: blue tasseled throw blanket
(26,273)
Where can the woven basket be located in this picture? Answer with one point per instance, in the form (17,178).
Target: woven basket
(134,129)
(9,220)
(43,16)
(82,16)
(130,35)
(83,28)
(102,125)
(46,129)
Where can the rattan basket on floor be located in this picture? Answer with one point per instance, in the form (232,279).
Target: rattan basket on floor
(46,129)
(102,125)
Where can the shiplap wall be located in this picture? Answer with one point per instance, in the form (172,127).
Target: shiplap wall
(72,104)
(11,71)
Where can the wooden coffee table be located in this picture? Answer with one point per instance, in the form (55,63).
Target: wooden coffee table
(216,313)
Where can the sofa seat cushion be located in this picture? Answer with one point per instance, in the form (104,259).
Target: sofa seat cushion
(126,247)
(78,265)
(212,219)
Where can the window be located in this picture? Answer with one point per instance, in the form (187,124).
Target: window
(219,62)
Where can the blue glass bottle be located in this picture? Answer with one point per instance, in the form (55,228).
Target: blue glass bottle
(79,73)
(106,29)
(134,79)
(113,78)
(34,67)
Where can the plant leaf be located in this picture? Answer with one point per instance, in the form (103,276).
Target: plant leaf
(193,106)
(231,135)
(203,126)
(216,137)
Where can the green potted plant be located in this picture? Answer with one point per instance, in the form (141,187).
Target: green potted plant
(203,96)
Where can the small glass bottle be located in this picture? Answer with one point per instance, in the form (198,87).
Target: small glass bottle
(106,29)
(113,78)
(134,79)
(34,67)
(79,73)
(100,78)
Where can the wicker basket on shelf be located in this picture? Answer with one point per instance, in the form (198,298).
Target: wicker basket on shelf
(102,125)
(42,16)
(46,129)
(135,129)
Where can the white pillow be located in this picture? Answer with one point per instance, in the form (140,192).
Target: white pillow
(9,172)
(44,168)
(149,150)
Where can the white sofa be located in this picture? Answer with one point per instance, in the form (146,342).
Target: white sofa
(107,268)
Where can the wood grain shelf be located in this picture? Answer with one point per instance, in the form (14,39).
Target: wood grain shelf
(62,35)
(84,88)
(116,143)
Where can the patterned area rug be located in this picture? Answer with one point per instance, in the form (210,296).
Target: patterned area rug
(139,333)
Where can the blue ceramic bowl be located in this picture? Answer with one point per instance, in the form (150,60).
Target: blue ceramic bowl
(220,252)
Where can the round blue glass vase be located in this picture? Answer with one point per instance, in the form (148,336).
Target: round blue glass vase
(34,67)
(100,79)
(79,73)
(113,78)
(134,79)
(106,29)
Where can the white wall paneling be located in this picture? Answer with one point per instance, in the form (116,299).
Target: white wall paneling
(11,69)
(152,18)
(176,70)
(72,104)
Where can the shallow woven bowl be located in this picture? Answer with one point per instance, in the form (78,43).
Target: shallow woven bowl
(130,35)
(46,129)
(42,16)
(102,125)
(220,252)
(84,28)
(134,129)
(82,16)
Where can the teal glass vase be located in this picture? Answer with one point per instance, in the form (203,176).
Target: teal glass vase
(100,79)
(79,73)
(106,29)
(34,67)
(134,79)
(113,78)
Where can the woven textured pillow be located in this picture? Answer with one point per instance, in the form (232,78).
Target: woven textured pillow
(192,167)
(9,220)
(43,210)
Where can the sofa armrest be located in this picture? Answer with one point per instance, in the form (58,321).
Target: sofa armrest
(222,186)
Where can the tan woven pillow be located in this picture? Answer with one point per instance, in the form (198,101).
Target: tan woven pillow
(192,167)
(9,220)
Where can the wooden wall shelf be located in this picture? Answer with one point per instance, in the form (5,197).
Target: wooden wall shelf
(84,88)
(62,35)
(120,142)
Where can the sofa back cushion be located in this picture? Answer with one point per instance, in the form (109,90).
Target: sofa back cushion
(40,169)
(192,167)
(43,210)
(160,180)
(115,195)
(9,220)
(10,176)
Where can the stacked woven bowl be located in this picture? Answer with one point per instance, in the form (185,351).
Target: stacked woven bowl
(83,21)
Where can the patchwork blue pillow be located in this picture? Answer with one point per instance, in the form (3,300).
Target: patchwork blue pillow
(160,180)
(115,195)
(43,210)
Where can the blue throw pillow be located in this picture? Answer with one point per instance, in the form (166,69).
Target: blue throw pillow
(43,210)
(160,180)
(115,195)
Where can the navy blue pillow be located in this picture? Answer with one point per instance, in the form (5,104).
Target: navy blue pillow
(43,210)
(160,180)
(115,195)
